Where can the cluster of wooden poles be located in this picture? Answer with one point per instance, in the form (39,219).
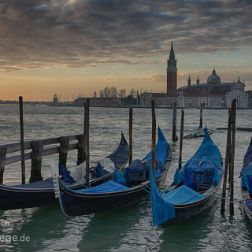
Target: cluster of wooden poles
(83,151)
(229,160)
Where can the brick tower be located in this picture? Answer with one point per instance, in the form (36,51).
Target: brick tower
(172,74)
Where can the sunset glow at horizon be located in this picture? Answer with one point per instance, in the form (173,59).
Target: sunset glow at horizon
(73,48)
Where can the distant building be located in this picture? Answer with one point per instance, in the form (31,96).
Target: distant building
(55,99)
(214,93)
(99,101)
(249,93)
(211,94)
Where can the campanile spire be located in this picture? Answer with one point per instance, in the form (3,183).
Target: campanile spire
(172,73)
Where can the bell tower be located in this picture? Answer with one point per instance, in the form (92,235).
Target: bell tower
(172,73)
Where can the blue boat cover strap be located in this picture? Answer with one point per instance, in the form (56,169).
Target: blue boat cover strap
(182,195)
(109,186)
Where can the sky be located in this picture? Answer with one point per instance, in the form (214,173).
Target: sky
(76,47)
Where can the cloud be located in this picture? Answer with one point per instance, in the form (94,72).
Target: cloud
(75,33)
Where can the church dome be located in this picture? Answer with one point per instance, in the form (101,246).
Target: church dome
(213,78)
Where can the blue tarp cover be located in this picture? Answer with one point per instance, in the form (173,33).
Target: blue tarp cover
(182,195)
(121,154)
(162,149)
(136,172)
(66,177)
(248,155)
(204,168)
(109,186)
(246,172)
(248,203)
(161,211)
(246,177)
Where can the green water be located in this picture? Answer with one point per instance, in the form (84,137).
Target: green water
(130,229)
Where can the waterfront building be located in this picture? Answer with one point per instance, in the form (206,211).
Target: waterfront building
(99,101)
(249,93)
(210,94)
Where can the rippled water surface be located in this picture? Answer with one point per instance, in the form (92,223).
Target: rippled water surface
(129,229)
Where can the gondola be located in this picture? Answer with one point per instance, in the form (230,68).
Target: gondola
(194,186)
(41,193)
(246,183)
(126,188)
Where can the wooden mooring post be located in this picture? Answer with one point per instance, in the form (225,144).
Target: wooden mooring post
(63,151)
(181,138)
(201,117)
(233,125)
(3,152)
(86,144)
(226,166)
(130,133)
(21,116)
(153,144)
(174,123)
(36,161)
(229,160)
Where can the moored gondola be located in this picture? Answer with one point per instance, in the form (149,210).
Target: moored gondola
(246,183)
(126,188)
(41,193)
(194,187)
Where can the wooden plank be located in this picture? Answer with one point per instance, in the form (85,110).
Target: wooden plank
(14,147)
(46,152)
(17,158)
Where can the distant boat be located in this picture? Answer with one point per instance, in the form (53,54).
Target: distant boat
(197,133)
(194,187)
(126,188)
(41,193)
(246,182)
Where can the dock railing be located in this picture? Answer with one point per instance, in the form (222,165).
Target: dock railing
(35,150)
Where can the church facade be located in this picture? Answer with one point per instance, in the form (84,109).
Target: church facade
(210,94)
